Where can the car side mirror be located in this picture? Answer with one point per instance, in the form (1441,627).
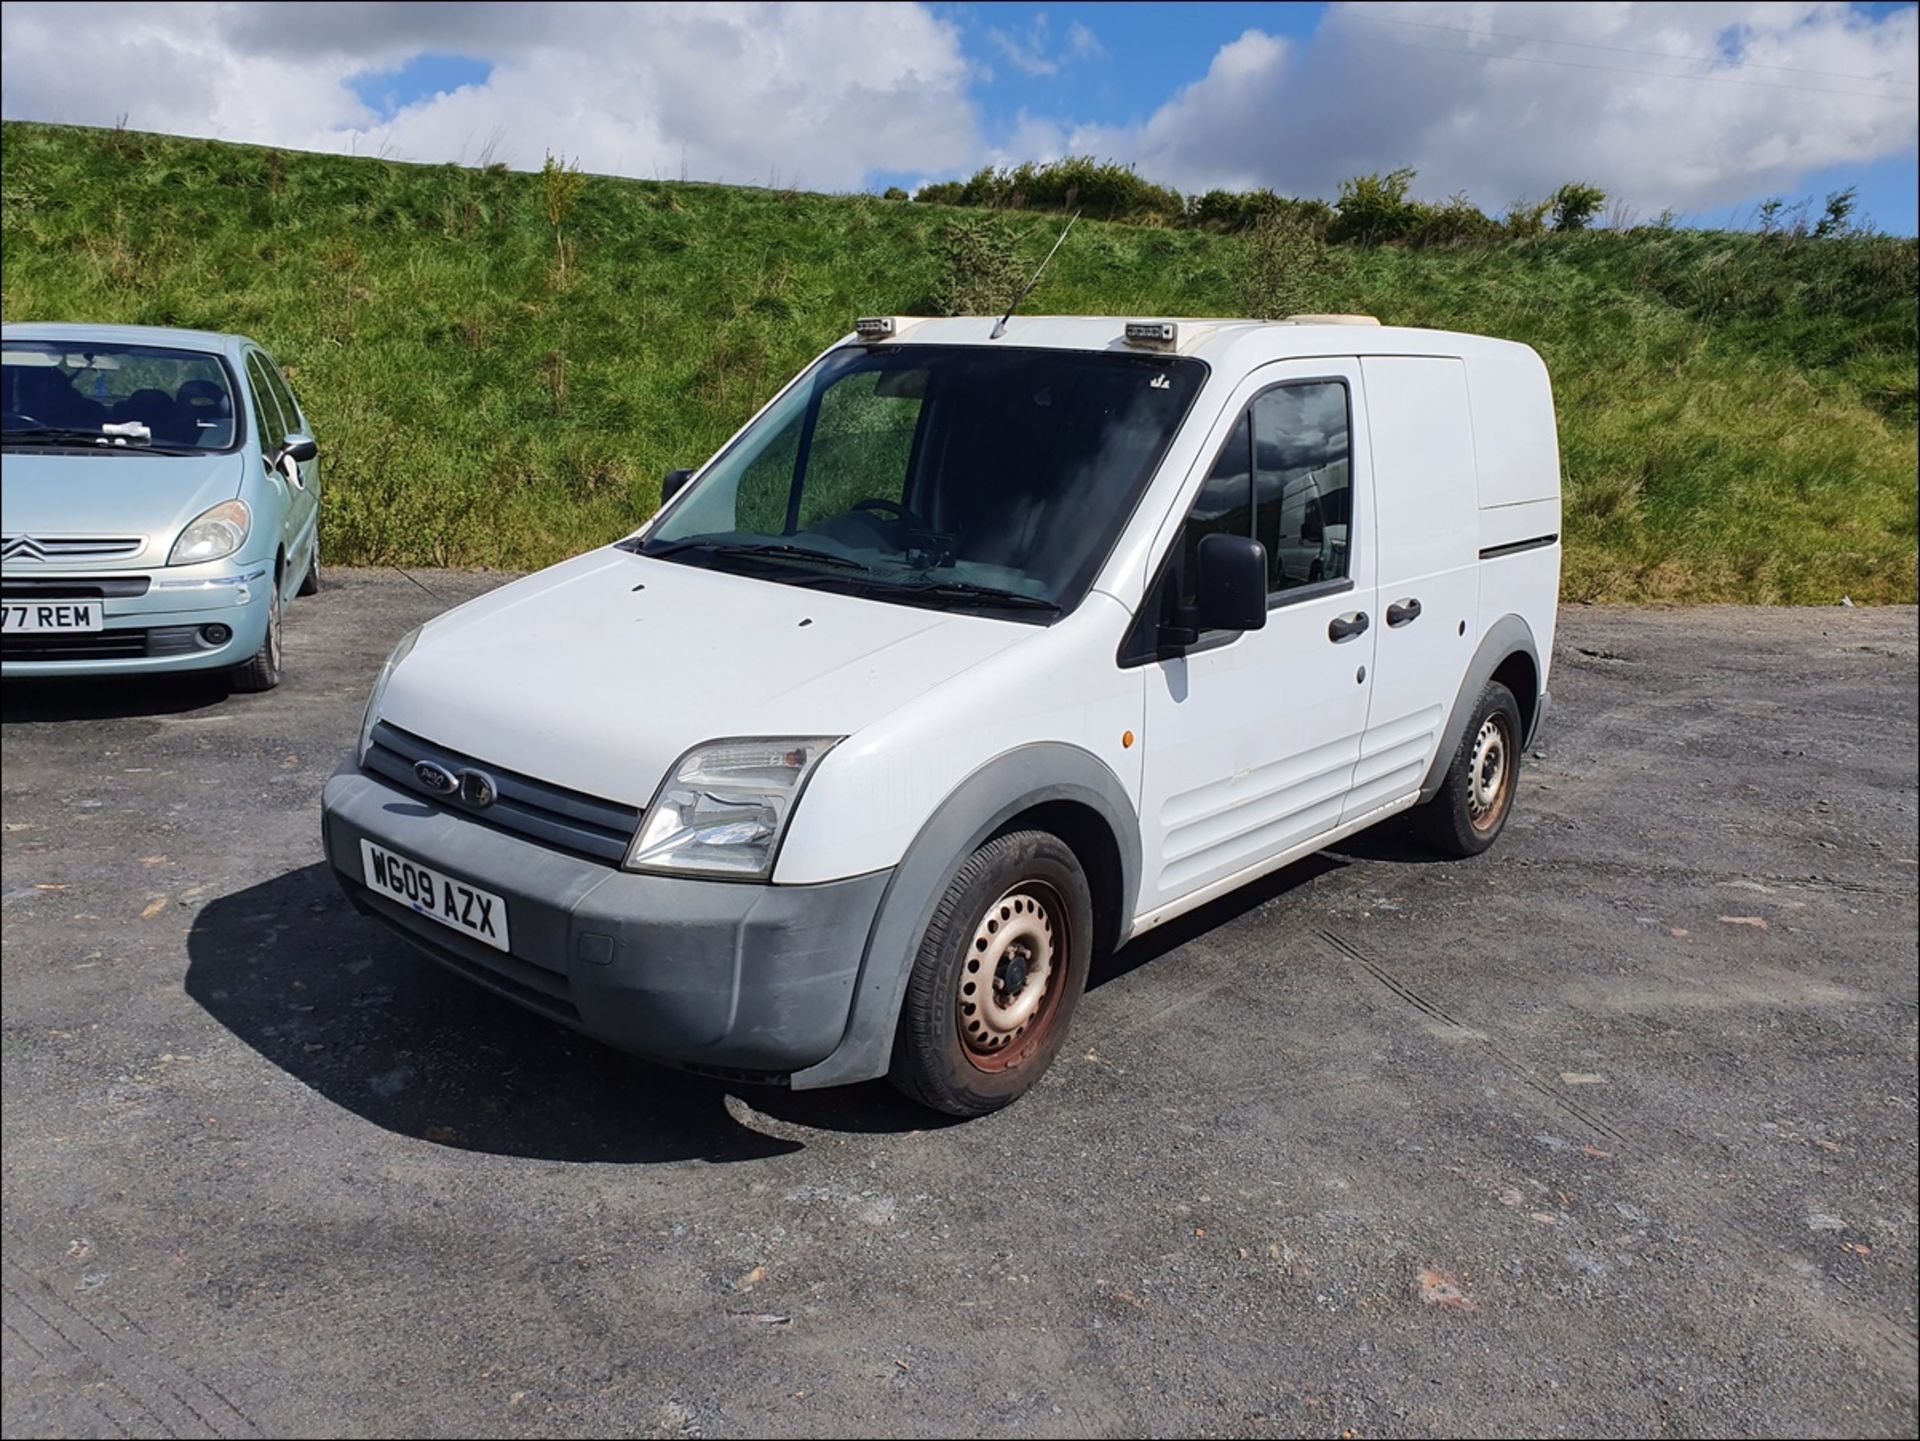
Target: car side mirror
(674,483)
(298,448)
(1312,529)
(1230,592)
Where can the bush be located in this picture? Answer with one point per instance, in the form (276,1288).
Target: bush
(1458,222)
(1374,209)
(1527,219)
(1229,210)
(1282,268)
(979,267)
(1575,204)
(1102,190)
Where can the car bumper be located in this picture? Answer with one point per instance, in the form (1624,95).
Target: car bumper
(163,629)
(749,979)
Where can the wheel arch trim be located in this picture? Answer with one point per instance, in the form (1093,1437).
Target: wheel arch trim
(978,808)
(1505,638)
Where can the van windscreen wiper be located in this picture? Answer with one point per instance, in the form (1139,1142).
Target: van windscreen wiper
(967,591)
(771,550)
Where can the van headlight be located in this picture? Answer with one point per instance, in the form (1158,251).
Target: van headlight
(214,534)
(398,654)
(723,807)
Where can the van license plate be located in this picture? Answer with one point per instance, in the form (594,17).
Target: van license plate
(455,904)
(52,615)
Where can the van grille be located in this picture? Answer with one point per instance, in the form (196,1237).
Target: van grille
(539,810)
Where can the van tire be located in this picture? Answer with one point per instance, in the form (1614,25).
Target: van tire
(1471,808)
(262,670)
(1020,908)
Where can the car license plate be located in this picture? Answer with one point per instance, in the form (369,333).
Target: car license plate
(52,615)
(464,908)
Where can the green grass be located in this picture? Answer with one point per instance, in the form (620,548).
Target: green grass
(1736,413)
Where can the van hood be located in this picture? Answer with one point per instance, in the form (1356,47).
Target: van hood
(151,495)
(598,674)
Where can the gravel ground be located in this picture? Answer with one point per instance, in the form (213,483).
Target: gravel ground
(1611,1131)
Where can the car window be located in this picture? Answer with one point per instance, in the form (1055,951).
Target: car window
(266,410)
(862,443)
(140,395)
(282,394)
(1302,482)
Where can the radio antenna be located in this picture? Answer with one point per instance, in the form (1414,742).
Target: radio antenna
(1000,325)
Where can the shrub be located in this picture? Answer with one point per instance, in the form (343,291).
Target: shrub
(1102,190)
(1281,269)
(943,192)
(1374,209)
(1458,222)
(1837,219)
(1527,219)
(1227,210)
(979,267)
(893,192)
(1575,204)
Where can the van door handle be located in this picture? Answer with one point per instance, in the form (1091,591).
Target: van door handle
(1403,612)
(1346,627)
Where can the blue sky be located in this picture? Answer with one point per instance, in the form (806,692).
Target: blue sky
(1702,109)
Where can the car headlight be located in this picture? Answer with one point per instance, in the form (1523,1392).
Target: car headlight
(723,807)
(380,689)
(213,534)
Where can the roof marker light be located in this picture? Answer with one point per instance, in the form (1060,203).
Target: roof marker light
(874,327)
(1155,334)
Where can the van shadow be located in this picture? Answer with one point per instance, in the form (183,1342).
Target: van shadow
(107,698)
(1213,915)
(344,1007)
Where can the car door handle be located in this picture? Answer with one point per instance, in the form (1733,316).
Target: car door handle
(1403,612)
(1346,627)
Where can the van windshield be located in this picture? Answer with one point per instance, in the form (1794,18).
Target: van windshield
(993,481)
(118,397)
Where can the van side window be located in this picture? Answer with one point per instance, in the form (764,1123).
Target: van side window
(1303,483)
(1224,505)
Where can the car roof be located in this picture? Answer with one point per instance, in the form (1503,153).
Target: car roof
(1213,339)
(158,335)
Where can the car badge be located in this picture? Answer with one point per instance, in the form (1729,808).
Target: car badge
(436,778)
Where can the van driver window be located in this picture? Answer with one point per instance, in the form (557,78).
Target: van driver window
(1302,483)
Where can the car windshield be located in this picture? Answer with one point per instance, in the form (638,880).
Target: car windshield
(961,477)
(77,393)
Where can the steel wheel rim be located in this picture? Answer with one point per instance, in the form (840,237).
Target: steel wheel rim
(1009,983)
(273,629)
(1490,773)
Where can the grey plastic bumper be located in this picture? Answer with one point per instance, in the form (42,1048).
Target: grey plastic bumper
(739,977)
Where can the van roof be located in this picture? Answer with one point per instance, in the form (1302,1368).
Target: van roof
(1212,339)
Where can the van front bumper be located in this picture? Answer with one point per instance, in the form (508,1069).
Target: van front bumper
(750,979)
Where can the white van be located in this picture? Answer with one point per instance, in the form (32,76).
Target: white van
(965,660)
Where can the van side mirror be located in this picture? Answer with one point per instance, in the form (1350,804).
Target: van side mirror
(673,484)
(1230,592)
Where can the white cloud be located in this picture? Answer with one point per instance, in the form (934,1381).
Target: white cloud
(1031,51)
(1616,94)
(812,95)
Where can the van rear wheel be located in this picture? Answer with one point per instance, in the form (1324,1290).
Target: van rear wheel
(1475,799)
(999,972)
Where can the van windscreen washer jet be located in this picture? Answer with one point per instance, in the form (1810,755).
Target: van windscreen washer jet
(983,648)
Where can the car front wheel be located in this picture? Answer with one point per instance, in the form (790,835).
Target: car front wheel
(262,670)
(997,977)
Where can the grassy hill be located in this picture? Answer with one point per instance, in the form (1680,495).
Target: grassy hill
(1736,412)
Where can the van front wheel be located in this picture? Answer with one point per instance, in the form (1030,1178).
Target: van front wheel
(1475,799)
(998,975)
